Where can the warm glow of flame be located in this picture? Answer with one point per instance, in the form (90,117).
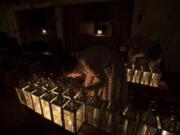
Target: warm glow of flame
(99,32)
(70,123)
(44,31)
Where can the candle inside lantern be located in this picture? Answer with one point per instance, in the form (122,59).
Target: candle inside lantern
(99,32)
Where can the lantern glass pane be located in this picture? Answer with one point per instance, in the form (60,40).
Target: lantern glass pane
(93,107)
(83,111)
(28,99)
(137,76)
(56,110)
(36,100)
(144,129)
(21,96)
(46,109)
(155,79)
(93,115)
(69,121)
(57,106)
(79,117)
(146,78)
(106,120)
(45,103)
(129,75)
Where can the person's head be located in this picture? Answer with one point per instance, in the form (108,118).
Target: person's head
(71,67)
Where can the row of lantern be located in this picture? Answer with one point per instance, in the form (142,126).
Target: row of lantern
(144,77)
(63,109)
(52,106)
(71,112)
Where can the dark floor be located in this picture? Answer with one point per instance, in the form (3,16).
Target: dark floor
(14,118)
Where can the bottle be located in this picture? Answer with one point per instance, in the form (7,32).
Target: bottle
(150,122)
(170,125)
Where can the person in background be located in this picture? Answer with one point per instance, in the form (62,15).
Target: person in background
(142,51)
(104,75)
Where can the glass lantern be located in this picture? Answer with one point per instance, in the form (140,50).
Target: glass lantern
(137,75)
(130,73)
(57,106)
(73,116)
(81,98)
(22,85)
(27,91)
(155,79)
(106,117)
(21,96)
(146,77)
(150,122)
(59,87)
(171,125)
(36,97)
(72,85)
(93,108)
(46,100)
(129,120)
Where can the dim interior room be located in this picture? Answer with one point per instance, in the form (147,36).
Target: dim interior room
(37,37)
